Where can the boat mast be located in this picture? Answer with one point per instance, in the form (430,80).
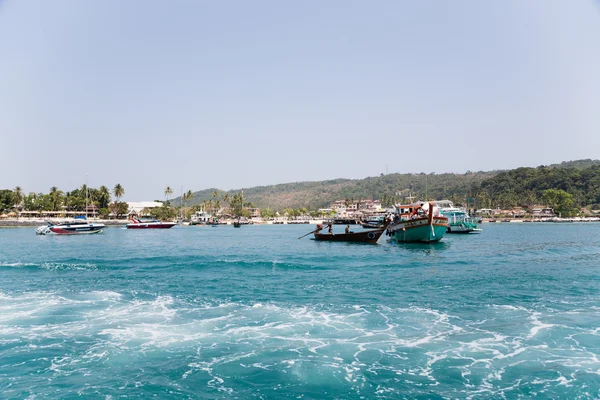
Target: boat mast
(86,197)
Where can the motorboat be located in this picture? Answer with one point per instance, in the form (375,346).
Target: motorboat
(78,226)
(137,223)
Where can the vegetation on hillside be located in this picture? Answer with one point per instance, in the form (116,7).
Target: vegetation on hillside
(392,187)
(565,187)
(526,186)
(494,189)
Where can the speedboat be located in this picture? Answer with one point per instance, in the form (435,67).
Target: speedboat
(137,223)
(78,226)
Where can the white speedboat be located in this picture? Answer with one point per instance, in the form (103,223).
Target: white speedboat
(78,226)
(137,223)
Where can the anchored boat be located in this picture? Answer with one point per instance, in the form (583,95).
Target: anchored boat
(137,223)
(78,226)
(459,220)
(370,236)
(373,222)
(417,223)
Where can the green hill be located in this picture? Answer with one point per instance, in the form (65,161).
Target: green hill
(480,189)
(321,194)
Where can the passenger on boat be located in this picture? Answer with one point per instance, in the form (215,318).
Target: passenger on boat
(330,225)
(416,212)
(347,229)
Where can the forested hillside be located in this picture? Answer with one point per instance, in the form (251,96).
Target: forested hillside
(525,186)
(518,187)
(388,188)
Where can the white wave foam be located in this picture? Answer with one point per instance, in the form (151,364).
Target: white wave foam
(51,266)
(351,341)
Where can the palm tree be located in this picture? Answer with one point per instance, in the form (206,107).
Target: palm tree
(118,191)
(17,196)
(55,197)
(226,198)
(187,196)
(168,192)
(103,196)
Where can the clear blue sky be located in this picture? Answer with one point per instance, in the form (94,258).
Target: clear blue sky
(236,94)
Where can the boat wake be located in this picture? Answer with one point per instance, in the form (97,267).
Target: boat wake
(213,347)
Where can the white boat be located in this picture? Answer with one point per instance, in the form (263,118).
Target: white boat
(137,223)
(459,220)
(77,226)
(202,218)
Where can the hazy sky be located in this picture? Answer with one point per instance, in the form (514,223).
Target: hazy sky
(234,94)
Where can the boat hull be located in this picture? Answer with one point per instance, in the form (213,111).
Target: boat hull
(77,231)
(419,230)
(354,237)
(70,229)
(162,225)
(424,234)
(462,228)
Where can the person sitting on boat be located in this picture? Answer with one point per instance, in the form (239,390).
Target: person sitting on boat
(319,228)
(415,213)
(347,229)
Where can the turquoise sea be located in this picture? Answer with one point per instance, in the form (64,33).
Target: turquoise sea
(200,312)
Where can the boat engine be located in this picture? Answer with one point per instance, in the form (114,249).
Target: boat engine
(42,230)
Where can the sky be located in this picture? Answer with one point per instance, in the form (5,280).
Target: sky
(199,94)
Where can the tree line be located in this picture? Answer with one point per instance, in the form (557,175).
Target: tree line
(57,200)
(565,187)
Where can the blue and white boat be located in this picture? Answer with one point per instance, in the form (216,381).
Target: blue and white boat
(459,220)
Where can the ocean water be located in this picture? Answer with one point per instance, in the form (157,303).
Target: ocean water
(200,312)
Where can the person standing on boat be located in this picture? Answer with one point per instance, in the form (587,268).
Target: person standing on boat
(347,229)
(330,225)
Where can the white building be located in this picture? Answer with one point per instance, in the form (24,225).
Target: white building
(136,207)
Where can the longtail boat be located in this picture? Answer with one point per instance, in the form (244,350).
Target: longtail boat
(370,236)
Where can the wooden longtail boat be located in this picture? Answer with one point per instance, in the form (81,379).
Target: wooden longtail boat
(356,237)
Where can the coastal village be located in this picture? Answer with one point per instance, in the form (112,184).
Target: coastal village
(214,211)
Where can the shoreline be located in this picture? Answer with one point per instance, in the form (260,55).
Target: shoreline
(23,222)
(35,222)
